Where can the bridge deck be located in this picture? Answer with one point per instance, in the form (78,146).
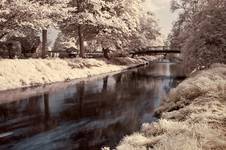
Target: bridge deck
(155,50)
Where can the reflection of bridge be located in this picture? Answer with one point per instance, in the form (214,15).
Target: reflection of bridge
(155,50)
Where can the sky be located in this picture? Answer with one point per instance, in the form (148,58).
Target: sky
(161,10)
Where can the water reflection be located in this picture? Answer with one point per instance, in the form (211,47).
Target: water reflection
(87,115)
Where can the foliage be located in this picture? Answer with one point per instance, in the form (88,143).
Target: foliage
(29,16)
(200,32)
(111,24)
(115,25)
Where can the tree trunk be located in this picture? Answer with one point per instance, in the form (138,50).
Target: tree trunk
(80,34)
(80,94)
(105,52)
(46,106)
(105,84)
(47,111)
(81,42)
(44,43)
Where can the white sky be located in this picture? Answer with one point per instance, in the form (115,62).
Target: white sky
(161,9)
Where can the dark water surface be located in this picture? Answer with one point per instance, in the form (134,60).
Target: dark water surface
(86,115)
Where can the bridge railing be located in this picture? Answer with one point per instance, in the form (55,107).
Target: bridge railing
(163,48)
(157,48)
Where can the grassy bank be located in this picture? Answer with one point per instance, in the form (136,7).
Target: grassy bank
(193,117)
(19,73)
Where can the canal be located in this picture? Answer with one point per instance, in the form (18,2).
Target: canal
(86,114)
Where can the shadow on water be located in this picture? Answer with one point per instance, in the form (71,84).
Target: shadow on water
(89,114)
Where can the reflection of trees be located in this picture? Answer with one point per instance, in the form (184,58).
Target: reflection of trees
(3,113)
(46,107)
(90,103)
(48,121)
(80,96)
(118,78)
(110,112)
(26,115)
(26,107)
(177,70)
(73,107)
(130,82)
(34,105)
(105,84)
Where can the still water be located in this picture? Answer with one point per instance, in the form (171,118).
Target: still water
(85,115)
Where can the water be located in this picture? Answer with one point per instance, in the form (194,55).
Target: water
(86,114)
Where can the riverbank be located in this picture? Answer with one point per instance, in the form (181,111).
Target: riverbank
(193,117)
(20,73)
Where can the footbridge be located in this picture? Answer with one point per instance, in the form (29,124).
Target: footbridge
(155,50)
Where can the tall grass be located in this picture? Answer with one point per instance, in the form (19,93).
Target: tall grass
(193,117)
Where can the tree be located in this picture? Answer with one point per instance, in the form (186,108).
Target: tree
(201,33)
(147,32)
(29,16)
(113,24)
(93,19)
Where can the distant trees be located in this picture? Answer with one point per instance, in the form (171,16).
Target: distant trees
(200,32)
(147,32)
(109,25)
(29,16)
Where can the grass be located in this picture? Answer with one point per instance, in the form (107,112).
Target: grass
(19,73)
(193,117)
